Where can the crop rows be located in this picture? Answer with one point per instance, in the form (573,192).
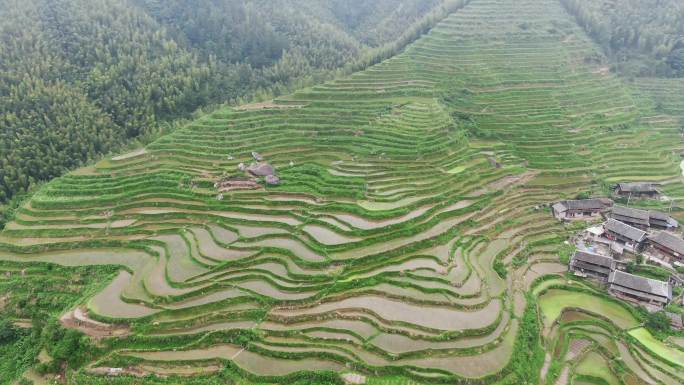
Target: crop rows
(403,186)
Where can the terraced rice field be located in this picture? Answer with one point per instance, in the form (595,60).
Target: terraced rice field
(402,186)
(594,336)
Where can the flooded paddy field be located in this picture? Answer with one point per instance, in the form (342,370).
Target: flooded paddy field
(408,238)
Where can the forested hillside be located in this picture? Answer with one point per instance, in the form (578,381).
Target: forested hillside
(80,78)
(643,37)
(393,226)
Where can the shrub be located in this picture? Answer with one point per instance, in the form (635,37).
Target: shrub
(65,345)
(565,252)
(583,195)
(658,322)
(500,269)
(8,333)
(639,259)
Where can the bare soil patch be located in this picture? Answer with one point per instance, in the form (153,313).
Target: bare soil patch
(545,368)
(78,319)
(270,104)
(129,155)
(564,376)
(160,371)
(237,183)
(23,323)
(129,371)
(605,70)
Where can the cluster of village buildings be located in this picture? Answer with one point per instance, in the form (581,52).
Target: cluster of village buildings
(604,251)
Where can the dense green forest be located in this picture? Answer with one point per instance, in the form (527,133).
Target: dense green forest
(643,37)
(82,78)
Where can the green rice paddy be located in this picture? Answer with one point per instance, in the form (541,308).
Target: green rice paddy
(403,186)
(673,355)
(554,302)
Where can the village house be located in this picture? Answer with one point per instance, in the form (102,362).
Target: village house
(261,169)
(659,220)
(645,291)
(586,264)
(642,219)
(632,237)
(583,208)
(637,190)
(668,244)
(266,171)
(633,217)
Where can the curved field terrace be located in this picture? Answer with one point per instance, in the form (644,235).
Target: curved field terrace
(408,238)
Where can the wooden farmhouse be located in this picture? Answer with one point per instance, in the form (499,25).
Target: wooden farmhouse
(643,219)
(645,291)
(637,190)
(592,265)
(621,232)
(668,244)
(659,220)
(584,208)
(633,217)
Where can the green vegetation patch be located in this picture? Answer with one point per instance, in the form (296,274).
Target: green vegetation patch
(317,180)
(554,301)
(594,365)
(672,355)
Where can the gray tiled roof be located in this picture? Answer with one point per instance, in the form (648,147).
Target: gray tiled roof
(634,283)
(559,207)
(668,240)
(662,219)
(587,204)
(658,215)
(642,217)
(623,211)
(594,259)
(625,230)
(637,187)
(261,169)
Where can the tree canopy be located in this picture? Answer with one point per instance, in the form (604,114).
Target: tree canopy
(81,78)
(644,37)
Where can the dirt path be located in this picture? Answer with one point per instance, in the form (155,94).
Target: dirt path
(563,377)
(131,154)
(237,354)
(545,368)
(78,319)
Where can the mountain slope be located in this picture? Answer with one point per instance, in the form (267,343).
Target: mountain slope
(129,68)
(406,239)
